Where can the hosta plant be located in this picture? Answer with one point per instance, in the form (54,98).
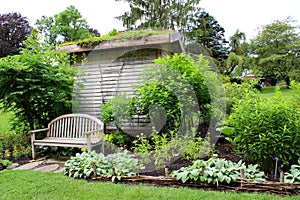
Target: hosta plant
(217,170)
(5,163)
(82,165)
(294,175)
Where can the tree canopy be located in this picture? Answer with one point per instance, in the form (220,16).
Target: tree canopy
(239,57)
(14,29)
(236,41)
(160,14)
(205,29)
(66,26)
(277,47)
(37,84)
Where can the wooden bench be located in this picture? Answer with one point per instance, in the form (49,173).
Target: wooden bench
(71,130)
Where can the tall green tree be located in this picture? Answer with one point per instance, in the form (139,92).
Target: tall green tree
(239,57)
(160,14)
(65,26)
(36,85)
(236,40)
(205,29)
(14,29)
(277,50)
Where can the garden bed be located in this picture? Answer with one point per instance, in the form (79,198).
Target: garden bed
(159,178)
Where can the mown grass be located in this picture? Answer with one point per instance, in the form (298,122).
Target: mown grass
(271,90)
(17,184)
(4,122)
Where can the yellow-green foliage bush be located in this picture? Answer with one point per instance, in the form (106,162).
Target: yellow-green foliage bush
(267,127)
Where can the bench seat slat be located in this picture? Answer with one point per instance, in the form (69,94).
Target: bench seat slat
(81,141)
(72,130)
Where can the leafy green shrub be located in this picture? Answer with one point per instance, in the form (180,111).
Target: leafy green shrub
(197,147)
(164,149)
(119,138)
(266,127)
(5,163)
(36,85)
(174,83)
(114,112)
(217,170)
(14,146)
(81,166)
(235,92)
(294,175)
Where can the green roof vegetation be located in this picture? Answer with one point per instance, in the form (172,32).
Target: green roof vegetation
(115,35)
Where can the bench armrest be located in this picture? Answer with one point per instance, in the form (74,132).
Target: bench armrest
(94,131)
(39,130)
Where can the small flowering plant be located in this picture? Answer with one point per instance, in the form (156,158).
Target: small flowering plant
(14,147)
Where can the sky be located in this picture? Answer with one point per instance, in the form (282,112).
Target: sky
(243,15)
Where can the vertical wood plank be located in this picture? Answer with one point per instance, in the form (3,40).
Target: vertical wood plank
(81,126)
(51,130)
(63,120)
(88,126)
(56,129)
(70,124)
(74,124)
(77,132)
(61,128)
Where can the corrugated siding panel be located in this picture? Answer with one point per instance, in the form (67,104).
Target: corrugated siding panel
(103,80)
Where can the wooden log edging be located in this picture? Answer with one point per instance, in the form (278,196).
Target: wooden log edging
(270,187)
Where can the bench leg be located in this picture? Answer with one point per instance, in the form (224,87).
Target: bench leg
(102,146)
(32,147)
(33,151)
(89,146)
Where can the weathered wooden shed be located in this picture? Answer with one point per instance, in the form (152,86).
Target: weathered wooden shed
(113,66)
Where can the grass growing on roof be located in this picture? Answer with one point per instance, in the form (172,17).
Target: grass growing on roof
(115,35)
(41,185)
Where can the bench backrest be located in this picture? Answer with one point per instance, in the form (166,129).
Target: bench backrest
(74,126)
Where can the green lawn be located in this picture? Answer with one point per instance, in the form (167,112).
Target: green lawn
(4,122)
(40,185)
(270,91)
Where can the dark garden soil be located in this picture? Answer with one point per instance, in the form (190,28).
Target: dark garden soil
(223,149)
(21,161)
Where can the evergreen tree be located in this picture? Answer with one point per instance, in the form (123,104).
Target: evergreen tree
(160,14)
(204,29)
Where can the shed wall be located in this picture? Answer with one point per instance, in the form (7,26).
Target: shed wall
(108,73)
